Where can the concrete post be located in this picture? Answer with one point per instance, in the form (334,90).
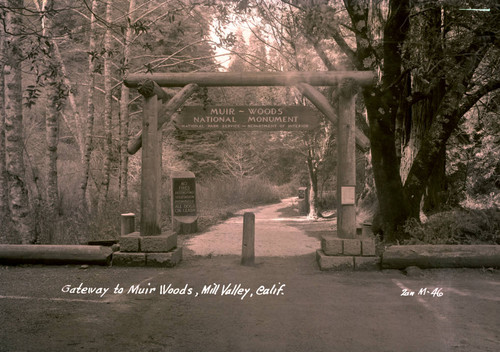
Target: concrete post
(248,243)
(127,223)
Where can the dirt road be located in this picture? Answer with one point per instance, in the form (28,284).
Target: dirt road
(277,233)
(281,304)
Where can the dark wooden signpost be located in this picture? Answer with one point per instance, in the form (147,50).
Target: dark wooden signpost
(242,118)
(183,202)
(184,196)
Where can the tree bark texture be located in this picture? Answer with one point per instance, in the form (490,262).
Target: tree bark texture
(108,115)
(415,119)
(14,143)
(55,102)
(454,104)
(52,134)
(89,130)
(4,200)
(75,125)
(124,112)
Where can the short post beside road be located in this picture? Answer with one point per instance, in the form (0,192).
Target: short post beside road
(248,243)
(127,223)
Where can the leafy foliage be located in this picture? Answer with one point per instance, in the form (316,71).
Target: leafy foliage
(457,227)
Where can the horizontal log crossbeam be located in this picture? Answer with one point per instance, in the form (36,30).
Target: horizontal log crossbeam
(220,79)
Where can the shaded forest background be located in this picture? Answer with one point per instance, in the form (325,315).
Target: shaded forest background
(432,116)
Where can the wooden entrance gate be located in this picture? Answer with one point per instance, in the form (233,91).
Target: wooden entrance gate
(150,86)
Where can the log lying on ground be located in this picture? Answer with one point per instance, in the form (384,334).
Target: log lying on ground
(54,254)
(441,256)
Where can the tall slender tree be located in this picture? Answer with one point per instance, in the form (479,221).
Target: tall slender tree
(89,129)
(14,142)
(56,91)
(124,103)
(4,199)
(107,113)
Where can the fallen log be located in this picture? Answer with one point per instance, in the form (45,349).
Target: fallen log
(54,254)
(441,256)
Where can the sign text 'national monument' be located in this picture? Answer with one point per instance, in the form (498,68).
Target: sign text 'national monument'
(247,118)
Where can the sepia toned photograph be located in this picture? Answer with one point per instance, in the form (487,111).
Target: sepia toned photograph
(250,175)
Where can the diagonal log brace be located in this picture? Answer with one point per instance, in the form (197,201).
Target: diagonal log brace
(166,112)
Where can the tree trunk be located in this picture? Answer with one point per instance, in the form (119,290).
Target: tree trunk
(78,132)
(107,108)
(89,130)
(4,200)
(420,115)
(385,164)
(52,134)
(454,104)
(436,192)
(54,106)
(124,111)
(14,143)
(382,103)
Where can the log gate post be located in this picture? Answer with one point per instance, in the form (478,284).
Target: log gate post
(346,161)
(151,159)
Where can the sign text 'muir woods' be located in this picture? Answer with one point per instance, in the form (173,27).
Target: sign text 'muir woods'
(247,118)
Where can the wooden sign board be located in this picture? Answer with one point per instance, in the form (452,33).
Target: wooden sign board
(247,118)
(183,202)
(184,196)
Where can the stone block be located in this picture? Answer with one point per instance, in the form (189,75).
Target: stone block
(327,262)
(332,245)
(368,247)
(129,259)
(366,263)
(161,243)
(352,247)
(168,260)
(130,242)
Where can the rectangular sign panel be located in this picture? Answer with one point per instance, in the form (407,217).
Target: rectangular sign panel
(247,118)
(348,195)
(184,196)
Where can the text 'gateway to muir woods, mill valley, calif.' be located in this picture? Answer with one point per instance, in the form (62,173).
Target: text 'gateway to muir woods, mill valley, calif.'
(247,118)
